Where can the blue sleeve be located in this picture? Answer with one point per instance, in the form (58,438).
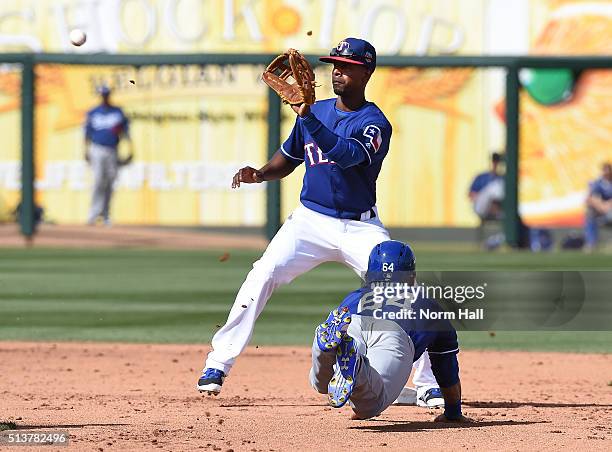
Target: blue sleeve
(293,147)
(351,301)
(346,152)
(477,184)
(442,352)
(595,189)
(375,139)
(445,368)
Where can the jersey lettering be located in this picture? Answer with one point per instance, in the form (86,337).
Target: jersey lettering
(319,159)
(308,147)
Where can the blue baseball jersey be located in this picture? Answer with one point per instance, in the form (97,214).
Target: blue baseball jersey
(105,125)
(601,188)
(482,180)
(343,154)
(437,336)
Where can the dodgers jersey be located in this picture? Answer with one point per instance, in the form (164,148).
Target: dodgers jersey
(437,336)
(343,154)
(482,180)
(105,124)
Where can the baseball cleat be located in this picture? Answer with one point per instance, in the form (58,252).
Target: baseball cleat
(432,398)
(341,385)
(211,381)
(330,333)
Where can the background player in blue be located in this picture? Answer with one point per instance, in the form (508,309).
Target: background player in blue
(599,206)
(342,142)
(105,126)
(487,190)
(364,356)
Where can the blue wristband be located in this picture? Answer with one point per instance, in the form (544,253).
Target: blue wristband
(452,411)
(310,118)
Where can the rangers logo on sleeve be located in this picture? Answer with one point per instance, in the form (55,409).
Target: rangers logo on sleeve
(374,136)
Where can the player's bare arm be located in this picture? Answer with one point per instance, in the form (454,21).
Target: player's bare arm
(597,203)
(277,168)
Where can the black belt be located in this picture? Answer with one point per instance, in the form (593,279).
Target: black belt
(358,217)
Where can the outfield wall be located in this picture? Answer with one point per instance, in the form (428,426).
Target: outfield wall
(193,126)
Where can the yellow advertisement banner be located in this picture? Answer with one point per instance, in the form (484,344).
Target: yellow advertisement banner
(564,145)
(193,127)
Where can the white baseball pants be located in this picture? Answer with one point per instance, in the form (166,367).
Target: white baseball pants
(105,166)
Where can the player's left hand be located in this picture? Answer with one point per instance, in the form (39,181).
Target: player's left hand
(127,160)
(301,109)
(461,420)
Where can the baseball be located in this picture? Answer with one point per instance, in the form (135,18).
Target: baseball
(78,37)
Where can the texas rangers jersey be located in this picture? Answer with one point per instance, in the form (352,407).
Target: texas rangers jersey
(343,154)
(105,124)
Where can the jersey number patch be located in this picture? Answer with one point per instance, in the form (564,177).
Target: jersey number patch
(372,133)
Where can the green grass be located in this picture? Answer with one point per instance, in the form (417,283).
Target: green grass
(180,296)
(7,426)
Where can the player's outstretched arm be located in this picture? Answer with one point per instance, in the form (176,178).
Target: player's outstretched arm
(445,368)
(277,168)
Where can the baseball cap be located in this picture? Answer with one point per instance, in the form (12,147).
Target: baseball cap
(104,90)
(353,50)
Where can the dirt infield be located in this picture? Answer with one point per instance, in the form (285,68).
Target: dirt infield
(125,396)
(78,236)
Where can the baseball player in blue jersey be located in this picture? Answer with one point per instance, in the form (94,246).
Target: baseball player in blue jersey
(342,142)
(105,126)
(599,206)
(363,352)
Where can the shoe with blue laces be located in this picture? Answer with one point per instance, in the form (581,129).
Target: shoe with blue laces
(341,385)
(330,333)
(211,381)
(432,398)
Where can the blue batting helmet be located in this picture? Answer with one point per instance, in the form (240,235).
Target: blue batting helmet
(391,261)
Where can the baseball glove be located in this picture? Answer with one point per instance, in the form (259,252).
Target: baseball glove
(126,161)
(291,63)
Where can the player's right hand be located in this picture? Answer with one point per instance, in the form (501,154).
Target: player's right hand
(247,175)
(461,420)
